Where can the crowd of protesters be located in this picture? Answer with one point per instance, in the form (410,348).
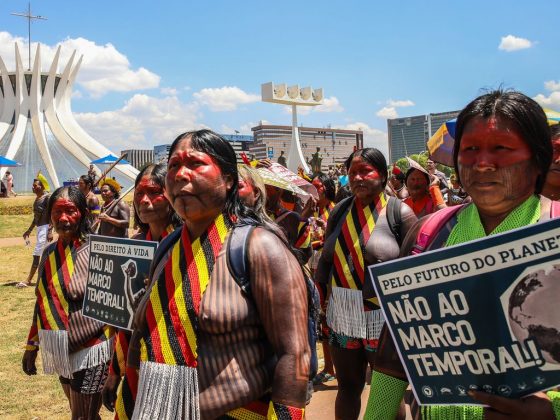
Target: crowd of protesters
(205,345)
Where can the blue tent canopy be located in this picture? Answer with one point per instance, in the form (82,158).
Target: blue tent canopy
(108,160)
(4,162)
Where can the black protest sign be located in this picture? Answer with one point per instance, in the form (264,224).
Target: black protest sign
(484,315)
(118,269)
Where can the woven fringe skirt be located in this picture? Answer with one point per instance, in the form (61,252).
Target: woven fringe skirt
(167,392)
(346,315)
(55,357)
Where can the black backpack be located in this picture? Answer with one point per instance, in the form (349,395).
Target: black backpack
(238,265)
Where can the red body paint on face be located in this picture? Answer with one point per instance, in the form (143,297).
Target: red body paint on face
(150,202)
(495,165)
(365,180)
(319,187)
(66,218)
(195,184)
(417,184)
(247,192)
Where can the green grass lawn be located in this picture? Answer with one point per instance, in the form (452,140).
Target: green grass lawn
(12,226)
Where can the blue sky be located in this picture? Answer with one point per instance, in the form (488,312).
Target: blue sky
(154,69)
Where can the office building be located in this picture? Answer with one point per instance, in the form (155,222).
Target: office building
(334,145)
(139,157)
(409,135)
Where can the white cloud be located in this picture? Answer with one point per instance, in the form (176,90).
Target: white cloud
(513,43)
(373,137)
(387,112)
(142,122)
(406,102)
(329,105)
(226,98)
(167,91)
(551,101)
(552,85)
(104,69)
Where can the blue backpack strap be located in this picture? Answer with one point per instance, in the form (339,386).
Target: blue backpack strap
(237,256)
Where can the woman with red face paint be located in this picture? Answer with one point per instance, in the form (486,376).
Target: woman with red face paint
(73,346)
(208,349)
(156,218)
(551,188)
(502,150)
(358,234)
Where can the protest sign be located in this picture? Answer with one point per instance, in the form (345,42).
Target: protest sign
(117,270)
(484,315)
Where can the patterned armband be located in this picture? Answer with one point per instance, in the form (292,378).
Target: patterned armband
(555,399)
(277,411)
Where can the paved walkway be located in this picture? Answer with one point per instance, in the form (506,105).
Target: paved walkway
(321,406)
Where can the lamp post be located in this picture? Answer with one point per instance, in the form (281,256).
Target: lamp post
(294,96)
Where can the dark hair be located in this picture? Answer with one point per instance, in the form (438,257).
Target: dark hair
(554,132)
(400,176)
(372,156)
(342,193)
(113,190)
(412,169)
(157,174)
(524,112)
(222,152)
(88,180)
(328,183)
(74,195)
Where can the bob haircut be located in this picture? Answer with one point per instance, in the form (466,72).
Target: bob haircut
(372,156)
(157,174)
(524,113)
(328,183)
(75,196)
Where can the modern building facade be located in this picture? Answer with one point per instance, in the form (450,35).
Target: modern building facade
(409,135)
(139,157)
(334,145)
(38,130)
(239,142)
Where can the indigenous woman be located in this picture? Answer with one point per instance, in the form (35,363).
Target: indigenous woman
(74,347)
(319,214)
(502,150)
(358,234)
(209,350)
(156,219)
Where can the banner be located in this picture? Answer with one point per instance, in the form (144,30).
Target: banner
(118,268)
(484,315)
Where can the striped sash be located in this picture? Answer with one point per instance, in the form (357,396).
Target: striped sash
(53,309)
(168,385)
(348,313)
(126,394)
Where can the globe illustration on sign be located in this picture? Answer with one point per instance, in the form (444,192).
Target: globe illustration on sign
(533,311)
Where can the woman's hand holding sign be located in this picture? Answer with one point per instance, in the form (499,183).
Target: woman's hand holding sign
(536,406)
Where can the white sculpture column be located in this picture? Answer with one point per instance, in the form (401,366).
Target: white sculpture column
(293,96)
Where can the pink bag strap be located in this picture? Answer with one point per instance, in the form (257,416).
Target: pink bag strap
(432,226)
